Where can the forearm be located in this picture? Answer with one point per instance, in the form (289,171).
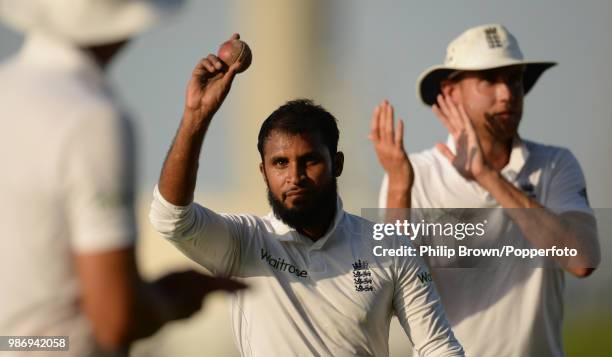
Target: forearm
(179,173)
(119,305)
(545,229)
(399,191)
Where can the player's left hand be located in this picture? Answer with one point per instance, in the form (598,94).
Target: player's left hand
(468,158)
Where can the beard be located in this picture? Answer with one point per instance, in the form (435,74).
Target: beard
(319,209)
(503,128)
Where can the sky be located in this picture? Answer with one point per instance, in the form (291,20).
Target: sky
(364,52)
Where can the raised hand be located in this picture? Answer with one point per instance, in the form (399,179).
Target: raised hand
(209,84)
(389,144)
(468,159)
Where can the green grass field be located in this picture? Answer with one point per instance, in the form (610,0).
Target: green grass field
(590,335)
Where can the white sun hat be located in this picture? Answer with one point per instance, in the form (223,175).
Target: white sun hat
(85,22)
(479,48)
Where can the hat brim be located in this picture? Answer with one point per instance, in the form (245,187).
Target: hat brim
(428,84)
(104,22)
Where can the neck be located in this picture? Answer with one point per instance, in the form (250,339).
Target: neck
(316,231)
(104,54)
(496,152)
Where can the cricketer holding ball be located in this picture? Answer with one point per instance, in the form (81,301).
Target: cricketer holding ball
(316,289)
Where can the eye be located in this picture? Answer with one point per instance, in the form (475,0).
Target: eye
(311,160)
(280,162)
(516,81)
(489,78)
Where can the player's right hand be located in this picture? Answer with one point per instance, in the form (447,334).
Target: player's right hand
(388,142)
(208,86)
(468,158)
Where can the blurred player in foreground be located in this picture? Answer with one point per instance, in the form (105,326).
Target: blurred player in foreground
(67,183)
(316,289)
(501,310)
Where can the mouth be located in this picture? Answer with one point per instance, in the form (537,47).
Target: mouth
(505,114)
(295,193)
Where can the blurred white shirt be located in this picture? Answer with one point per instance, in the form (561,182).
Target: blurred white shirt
(66,186)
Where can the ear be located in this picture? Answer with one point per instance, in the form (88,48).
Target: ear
(338,163)
(447,87)
(262,170)
(450,89)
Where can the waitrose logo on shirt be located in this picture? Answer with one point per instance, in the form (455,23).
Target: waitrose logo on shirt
(424,277)
(281,265)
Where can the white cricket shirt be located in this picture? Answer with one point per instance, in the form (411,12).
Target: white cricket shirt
(66,186)
(331,297)
(498,311)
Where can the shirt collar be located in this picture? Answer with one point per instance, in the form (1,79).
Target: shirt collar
(45,51)
(518,156)
(289,234)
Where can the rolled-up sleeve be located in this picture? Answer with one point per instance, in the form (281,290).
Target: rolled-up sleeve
(208,238)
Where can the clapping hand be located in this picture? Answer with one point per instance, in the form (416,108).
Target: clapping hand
(468,158)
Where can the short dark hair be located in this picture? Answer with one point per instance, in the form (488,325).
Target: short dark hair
(301,116)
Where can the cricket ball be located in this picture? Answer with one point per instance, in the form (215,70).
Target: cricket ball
(235,50)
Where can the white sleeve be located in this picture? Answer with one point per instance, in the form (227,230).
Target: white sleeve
(420,312)
(382,195)
(99,181)
(567,187)
(210,239)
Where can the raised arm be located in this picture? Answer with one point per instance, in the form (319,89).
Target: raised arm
(210,239)
(388,142)
(208,86)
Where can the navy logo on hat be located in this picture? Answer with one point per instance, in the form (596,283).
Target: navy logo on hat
(492,37)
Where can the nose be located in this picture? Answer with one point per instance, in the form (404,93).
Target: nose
(296,174)
(504,91)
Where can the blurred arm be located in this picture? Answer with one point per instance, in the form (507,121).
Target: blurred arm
(111,292)
(545,229)
(123,308)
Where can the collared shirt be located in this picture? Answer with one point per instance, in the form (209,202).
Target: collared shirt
(499,311)
(66,186)
(331,297)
